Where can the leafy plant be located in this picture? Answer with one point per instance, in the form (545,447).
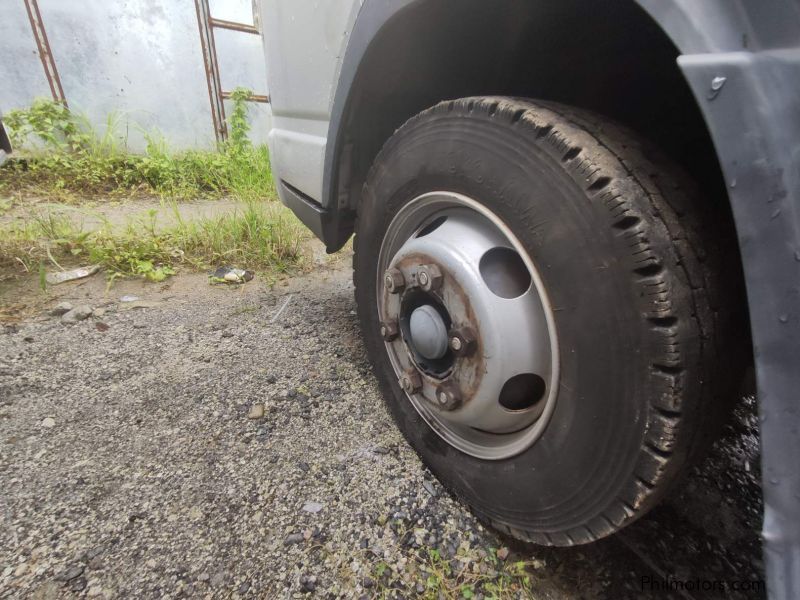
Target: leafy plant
(238,127)
(50,122)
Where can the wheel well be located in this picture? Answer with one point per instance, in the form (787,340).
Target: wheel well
(611,58)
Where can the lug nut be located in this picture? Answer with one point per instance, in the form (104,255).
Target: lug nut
(448,397)
(429,277)
(462,341)
(389,330)
(411,382)
(394,281)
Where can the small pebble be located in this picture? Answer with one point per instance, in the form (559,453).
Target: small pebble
(61,308)
(293,538)
(79,313)
(312,507)
(77,584)
(256,411)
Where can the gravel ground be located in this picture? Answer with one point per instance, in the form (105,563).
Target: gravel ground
(218,442)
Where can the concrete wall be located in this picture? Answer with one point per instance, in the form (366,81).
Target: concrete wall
(139,60)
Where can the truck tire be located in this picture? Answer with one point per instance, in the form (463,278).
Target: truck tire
(541,311)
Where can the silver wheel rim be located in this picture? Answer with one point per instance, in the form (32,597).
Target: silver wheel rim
(456,267)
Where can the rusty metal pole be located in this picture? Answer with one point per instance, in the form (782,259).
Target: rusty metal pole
(211,65)
(45,53)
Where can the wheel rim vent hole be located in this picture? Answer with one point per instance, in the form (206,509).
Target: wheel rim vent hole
(522,392)
(432,226)
(504,272)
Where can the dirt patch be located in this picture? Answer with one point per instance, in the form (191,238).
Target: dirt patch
(118,213)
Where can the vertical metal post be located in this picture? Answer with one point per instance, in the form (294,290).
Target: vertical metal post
(211,68)
(256,16)
(45,54)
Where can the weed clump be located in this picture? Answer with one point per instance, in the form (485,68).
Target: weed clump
(263,236)
(60,155)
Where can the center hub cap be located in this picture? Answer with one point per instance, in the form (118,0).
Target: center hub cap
(428,332)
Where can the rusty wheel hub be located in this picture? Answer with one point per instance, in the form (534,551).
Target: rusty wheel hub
(464,315)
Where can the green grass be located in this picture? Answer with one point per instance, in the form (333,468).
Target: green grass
(498,580)
(59,155)
(262,236)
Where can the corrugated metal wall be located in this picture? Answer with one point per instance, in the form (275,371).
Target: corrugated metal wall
(158,65)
